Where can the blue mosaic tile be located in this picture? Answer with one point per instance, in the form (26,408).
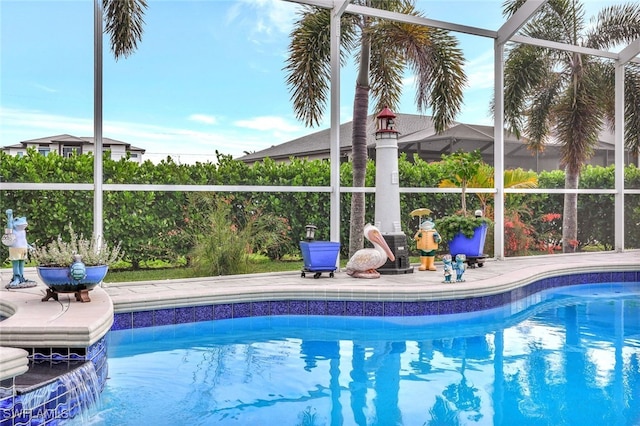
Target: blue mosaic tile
(493,301)
(97,349)
(260,309)
(317,307)
(461,305)
(392,309)
(242,310)
(298,307)
(203,313)
(579,279)
(222,311)
(413,309)
(431,307)
(279,308)
(143,319)
(185,315)
(372,309)
(335,307)
(164,316)
(122,321)
(446,307)
(354,308)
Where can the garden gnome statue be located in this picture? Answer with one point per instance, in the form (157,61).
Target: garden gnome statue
(460,267)
(448,268)
(18,250)
(427,239)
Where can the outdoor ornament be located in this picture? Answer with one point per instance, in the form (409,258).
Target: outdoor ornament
(460,266)
(364,262)
(448,268)
(77,270)
(427,239)
(18,250)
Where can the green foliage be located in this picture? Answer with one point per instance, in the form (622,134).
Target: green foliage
(461,167)
(220,247)
(158,226)
(60,252)
(449,226)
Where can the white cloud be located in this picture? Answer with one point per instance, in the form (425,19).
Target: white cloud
(45,88)
(187,145)
(480,71)
(266,123)
(267,19)
(203,118)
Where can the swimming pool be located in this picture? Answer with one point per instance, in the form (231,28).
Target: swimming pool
(570,356)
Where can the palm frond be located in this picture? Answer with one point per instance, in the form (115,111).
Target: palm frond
(614,25)
(124,22)
(308,67)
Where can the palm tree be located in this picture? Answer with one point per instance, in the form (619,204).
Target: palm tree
(570,95)
(386,49)
(124,23)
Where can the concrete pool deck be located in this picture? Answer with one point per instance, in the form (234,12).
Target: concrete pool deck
(69,323)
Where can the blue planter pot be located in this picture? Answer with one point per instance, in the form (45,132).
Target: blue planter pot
(58,278)
(319,256)
(471,247)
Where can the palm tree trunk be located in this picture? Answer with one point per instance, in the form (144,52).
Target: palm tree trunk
(359,151)
(570,214)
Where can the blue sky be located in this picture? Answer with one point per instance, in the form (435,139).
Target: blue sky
(208,74)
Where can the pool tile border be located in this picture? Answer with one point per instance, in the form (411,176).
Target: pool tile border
(180,315)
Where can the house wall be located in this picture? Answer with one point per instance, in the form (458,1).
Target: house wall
(117,151)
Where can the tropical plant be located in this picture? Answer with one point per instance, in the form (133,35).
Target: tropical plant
(461,168)
(386,49)
(222,244)
(569,96)
(60,252)
(124,20)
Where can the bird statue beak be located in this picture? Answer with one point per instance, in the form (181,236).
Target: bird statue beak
(378,238)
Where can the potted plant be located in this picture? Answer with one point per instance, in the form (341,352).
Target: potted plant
(464,232)
(74,266)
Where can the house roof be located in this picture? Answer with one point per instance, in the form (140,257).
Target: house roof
(416,135)
(319,142)
(74,140)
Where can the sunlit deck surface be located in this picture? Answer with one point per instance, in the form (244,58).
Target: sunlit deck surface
(67,322)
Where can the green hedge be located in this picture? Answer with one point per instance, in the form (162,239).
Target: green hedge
(158,225)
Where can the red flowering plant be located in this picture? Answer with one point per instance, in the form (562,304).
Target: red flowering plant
(518,235)
(550,233)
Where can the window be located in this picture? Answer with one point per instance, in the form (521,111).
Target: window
(44,151)
(68,151)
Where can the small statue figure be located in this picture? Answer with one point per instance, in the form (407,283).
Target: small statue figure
(18,250)
(448,268)
(460,267)
(78,270)
(427,239)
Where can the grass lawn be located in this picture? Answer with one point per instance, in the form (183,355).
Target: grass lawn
(186,272)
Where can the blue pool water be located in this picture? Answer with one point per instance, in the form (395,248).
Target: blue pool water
(566,356)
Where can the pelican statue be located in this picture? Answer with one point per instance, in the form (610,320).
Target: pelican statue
(364,262)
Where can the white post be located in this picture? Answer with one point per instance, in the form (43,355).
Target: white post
(498,152)
(619,159)
(97,121)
